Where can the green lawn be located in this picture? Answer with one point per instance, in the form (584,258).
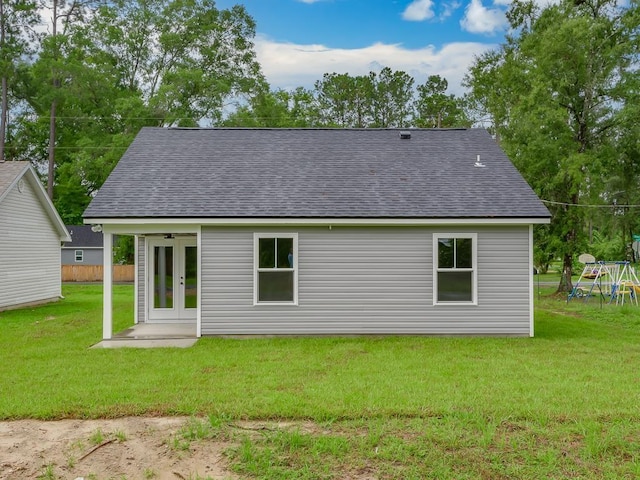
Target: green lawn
(563,404)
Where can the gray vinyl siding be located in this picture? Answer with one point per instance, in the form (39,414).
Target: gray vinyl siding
(141,263)
(367,281)
(91,256)
(29,250)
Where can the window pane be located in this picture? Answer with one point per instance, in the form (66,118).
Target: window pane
(455,286)
(275,286)
(267,253)
(190,277)
(285,253)
(163,277)
(464,253)
(445,252)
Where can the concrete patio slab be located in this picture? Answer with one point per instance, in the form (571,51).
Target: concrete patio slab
(147,343)
(153,335)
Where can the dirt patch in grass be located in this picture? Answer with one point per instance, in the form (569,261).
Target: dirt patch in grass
(131,448)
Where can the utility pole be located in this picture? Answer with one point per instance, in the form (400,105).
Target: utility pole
(54,104)
(5,99)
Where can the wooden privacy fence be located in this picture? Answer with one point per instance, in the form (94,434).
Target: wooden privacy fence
(93,273)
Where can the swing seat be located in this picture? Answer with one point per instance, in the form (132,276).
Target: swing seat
(594,275)
(627,288)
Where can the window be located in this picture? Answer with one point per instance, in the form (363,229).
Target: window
(276,270)
(454,268)
(79,255)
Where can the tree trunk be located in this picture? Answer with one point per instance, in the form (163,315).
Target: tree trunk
(5,100)
(566,285)
(52,150)
(52,118)
(3,119)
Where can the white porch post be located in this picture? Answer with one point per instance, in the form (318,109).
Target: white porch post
(531,285)
(199,280)
(107,279)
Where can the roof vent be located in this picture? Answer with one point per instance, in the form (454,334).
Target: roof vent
(404,135)
(478,163)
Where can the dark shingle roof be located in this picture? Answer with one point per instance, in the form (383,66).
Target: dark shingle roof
(314,173)
(82,237)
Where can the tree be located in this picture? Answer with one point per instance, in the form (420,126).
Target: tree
(435,109)
(392,96)
(186,59)
(552,92)
(276,109)
(17,19)
(376,100)
(103,76)
(345,101)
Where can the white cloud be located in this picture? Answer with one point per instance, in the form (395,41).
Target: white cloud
(539,3)
(448,8)
(480,19)
(288,65)
(418,10)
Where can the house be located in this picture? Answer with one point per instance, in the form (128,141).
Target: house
(82,257)
(85,247)
(31,232)
(323,231)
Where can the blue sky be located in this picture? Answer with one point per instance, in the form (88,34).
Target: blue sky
(299,40)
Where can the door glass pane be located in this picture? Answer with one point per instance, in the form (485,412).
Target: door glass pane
(190,277)
(455,286)
(163,277)
(275,286)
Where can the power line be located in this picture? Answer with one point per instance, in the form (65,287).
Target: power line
(564,204)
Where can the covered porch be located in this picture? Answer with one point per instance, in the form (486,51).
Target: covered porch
(167,284)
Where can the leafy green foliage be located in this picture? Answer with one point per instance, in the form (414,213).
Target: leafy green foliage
(435,108)
(116,67)
(554,95)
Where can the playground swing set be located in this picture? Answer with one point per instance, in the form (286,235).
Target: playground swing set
(611,281)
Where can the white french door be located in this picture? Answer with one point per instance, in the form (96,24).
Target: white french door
(172,283)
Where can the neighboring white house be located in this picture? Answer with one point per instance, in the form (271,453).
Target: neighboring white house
(31,233)
(85,247)
(323,231)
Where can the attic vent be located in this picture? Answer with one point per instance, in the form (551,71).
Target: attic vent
(405,135)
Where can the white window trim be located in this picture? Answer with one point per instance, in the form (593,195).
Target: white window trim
(473,269)
(75,256)
(256,238)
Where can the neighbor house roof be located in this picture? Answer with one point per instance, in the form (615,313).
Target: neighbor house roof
(315,173)
(10,175)
(82,236)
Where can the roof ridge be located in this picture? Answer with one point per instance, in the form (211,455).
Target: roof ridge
(332,129)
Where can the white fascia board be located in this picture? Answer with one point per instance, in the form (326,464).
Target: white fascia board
(191,225)
(139,227)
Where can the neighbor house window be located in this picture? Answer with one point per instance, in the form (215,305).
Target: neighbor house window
(79,254)
(454,268)
(276,268)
